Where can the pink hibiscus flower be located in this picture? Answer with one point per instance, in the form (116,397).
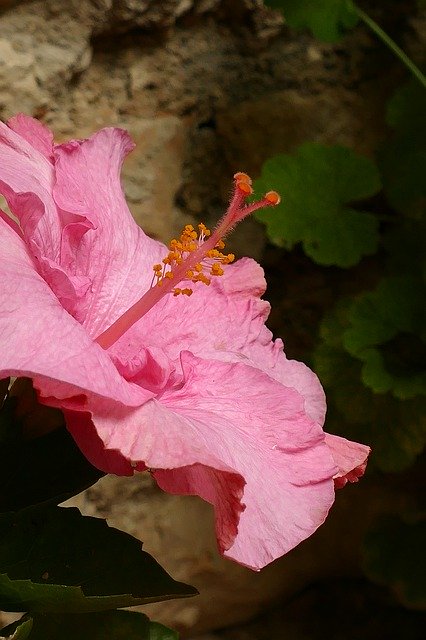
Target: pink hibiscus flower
(192,388)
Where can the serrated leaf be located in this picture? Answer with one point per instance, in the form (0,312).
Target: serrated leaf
(394,556)
(58,560)
(387,332)
(317,187)
(402,160)
(108,625)
(395,429)
(327,19)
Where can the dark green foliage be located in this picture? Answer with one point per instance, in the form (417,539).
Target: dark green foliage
(395,429)
(40,469)
(387,332)
(403,158)
(55,559)
(319,186)
(108,625)
(50,468)
(394,555)
(327,19)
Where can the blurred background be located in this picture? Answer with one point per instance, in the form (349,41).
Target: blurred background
(308,99)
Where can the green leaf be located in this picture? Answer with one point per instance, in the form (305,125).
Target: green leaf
(327,19)
(317,185)
(395,429)
(50,468)
(387,332)
(394,556)
(107,625)
(58,560)
(36,468)
(402,160)
(19,630)
(405,244)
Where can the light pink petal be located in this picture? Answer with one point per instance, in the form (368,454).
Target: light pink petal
(39,339)
(225,321)
(350,458)
(114,254)
(221,488)
(26,181)
(110,460)
(10,222)
(233,419)
(34,132)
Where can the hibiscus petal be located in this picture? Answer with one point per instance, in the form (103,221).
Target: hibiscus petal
(26,181)
(226,321)
(42,341)
(224,491)
(235,419)
(350,458)
(34,132)
(114,254)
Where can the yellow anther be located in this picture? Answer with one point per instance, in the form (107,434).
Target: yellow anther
(216,270)
(203,229)
(213,253)
(190,240)
(186,292)
(202,278)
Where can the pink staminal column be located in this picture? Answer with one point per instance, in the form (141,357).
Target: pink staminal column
(190,256)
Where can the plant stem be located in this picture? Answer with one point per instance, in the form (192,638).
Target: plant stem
(392,45)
